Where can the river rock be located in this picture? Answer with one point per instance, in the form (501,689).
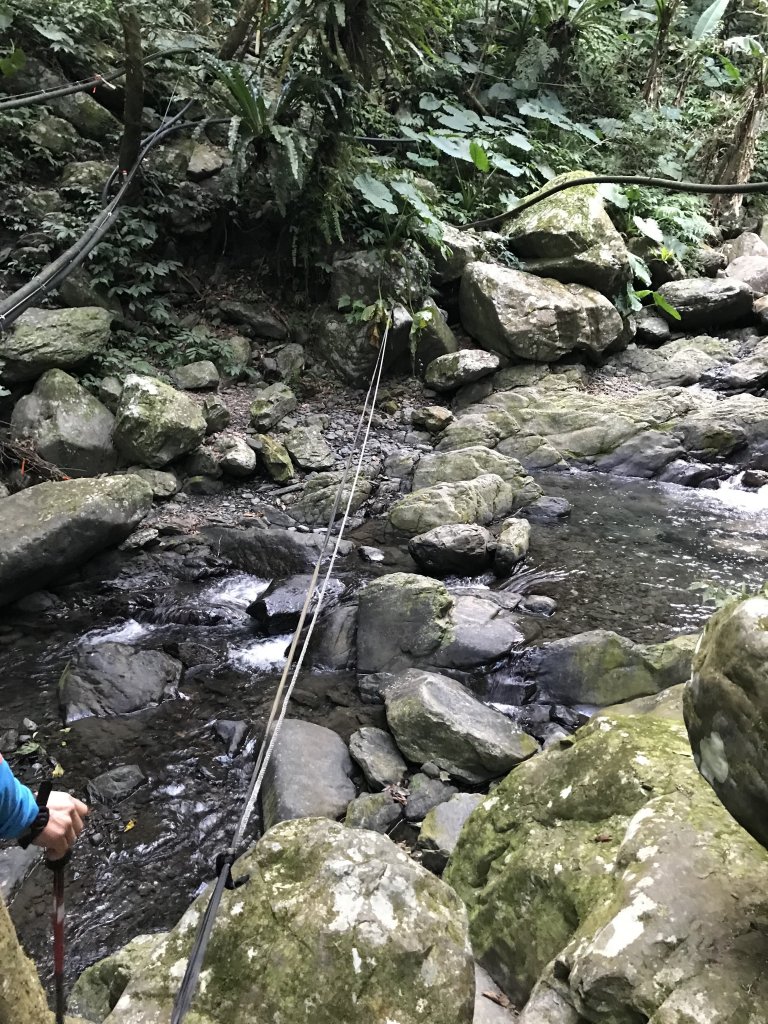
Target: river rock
(521,316)
(452,371)
(308,449)
(48,530)
(290,361)
(67,425)
(426,793)
(470,463)
(652,329)
(431,337)
(376,753)
(704,304)
(433,419)
(463,549)
(434,718)
(155,423)
(378,812)
(316,503)
(359,934)
(22,999)
(571,238)
(334,641)
(308,775)
(761,310)
(746,244)
(726,711)
(268,551)
(371,274)
(261,322)
(442,825)
(274,458)
(164,484)
(115,679)
(46,339)
(271,405)
(480,501)
(753,270)
(600,667)
(98,989)
(115,785)
(458,248)
(604,882)
(199,376)
(511,545)
(217,415)
(236,458)
(278,609)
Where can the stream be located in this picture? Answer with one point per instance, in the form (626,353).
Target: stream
(628,557)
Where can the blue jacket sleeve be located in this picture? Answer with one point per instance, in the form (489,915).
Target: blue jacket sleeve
(18,807)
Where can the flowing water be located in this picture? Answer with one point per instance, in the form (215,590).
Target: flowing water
(628,556)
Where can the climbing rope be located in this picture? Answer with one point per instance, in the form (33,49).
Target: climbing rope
(282,698)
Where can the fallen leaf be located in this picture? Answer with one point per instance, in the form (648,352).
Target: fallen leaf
(603,837)
(499,998)
(57,772)
(131,824)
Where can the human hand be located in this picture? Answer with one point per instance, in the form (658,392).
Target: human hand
(66,821)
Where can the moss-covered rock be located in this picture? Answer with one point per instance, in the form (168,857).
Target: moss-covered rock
(608,874)
(482,500)
(316,503)
(450,371)
(22,1000)
(155,424)
(726,711)
(47,339)
(336,926)
(271,405)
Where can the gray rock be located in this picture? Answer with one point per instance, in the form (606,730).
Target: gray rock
(277,610)
(526,317)
(67,425)
(754,478)
(271,405)
(46,339)
(268,551)
(434,718)
(274,458)
(481,501)
(235,457)
(53,528)
(452,371)
(116,785)
(463,247)
(317,501)
(231,733)
(262,323)
(547,510)
(155,424)
(308,449)
(110,389)
(761,310)
(381,761)
(431,337)
(746,244)
(489,1011)
(432,419)
(644,456)
(511,545)
(424,794)
(115,679)
(351,349)
(705,304)
(308,774)
(164,484)
(652,329)
(753,270)
(334,642)
(470,463)
(78,290)
(205,162)
(442,825)
(378,812)
(463,549)
(199,376)
(371,274)
(217,415)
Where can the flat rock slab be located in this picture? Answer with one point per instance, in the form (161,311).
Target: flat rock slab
(308,775)
(455,369)
(115,785)
(376,753)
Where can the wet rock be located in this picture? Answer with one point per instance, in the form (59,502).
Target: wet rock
(605,877)
(481,501)
(269,551)
(600,667)
(116,785)
(308,449)
(705,304)
(231,733)
(747,374)
(463,549)
(571,238)
(201,484)
(526,317)
(53,528)
(262,323)
(371,274)
(154,423)
(319,496)
(511,545)
(358,918)
(538,604)
(431,336)
(378,812)
(754,478)
(434,718)
(67,425)
(115,679)
(432,419)
(274,458)
(424,794)
(442,825)
(271,405)
(450,372)
(46,339)
(726,710)
(547,510)
(217,415)
(199,376)
(278,609)
(308,775)
(235,457)
(375,752)
(334,641)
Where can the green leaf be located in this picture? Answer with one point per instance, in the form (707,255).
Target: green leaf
(54,34)
(10,65)
(709,22)
(662,303)
(502,164)
(422,161)
(375,192)
(479,157)
(501,91)
(430,102)
(615,195)
(649,227)
(518,141)
(457,148)
(639,270)
(411,194)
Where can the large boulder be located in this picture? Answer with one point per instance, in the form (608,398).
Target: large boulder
(68,426)
(47,339)
(726,711)
(481,501)
(602,668)
(115,679)
(308,774)
(464,549)
(268,551)
(705,304)
(455,369)
(48,530)
(604,882)
(22,999)
(752,270)
(317,501)
(522,316)
(374,750)
(372,274)
(457,250)
(571,238)
(336,926)
(155,423)
(351,349)
(470,463)
(434,718)
(309,449)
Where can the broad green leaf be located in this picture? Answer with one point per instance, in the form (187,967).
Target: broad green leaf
(518,141)
(709,22)
(10,65)
(639,270)
(54,34)
(615,195)
(375,192)
(502,164)
(662,303)
(455,123)
(411,194)
(430,102)
(479,156)
(730,68)
(422,161)
(457,148)
(501,91)
(649,227)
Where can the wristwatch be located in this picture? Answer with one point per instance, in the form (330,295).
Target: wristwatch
(37,827)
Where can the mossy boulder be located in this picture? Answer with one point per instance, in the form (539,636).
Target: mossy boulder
(482,500)
(571,238)
(155,424)
(336,926)
(22,999)
(470,463)
(450,371)
(274,458)
(606,880)
(271,405)
(67,425)
(48,530)
(47,339)
(432,338)
(316,503)
(726,711)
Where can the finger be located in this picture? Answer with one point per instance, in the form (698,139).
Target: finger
(70,835)
(82,809)
(78,824)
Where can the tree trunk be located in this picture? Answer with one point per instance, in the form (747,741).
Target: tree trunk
(133,108)
(652,87)
(250,10)
(740,158)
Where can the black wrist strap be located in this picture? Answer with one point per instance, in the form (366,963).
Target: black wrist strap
(40,823)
